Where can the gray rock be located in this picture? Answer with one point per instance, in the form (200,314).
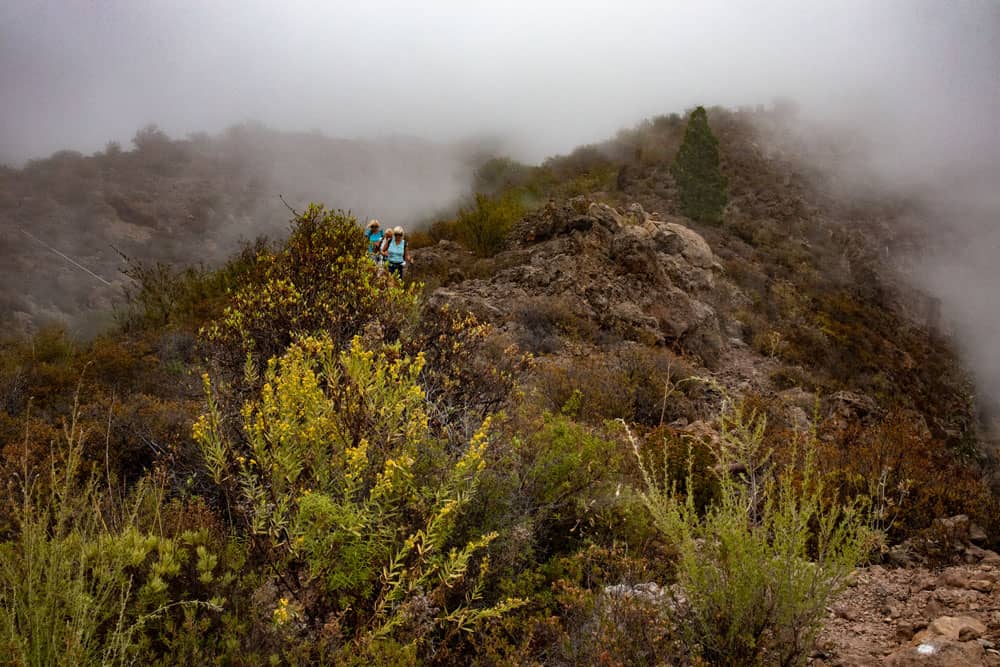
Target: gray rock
(960,628)
(686,242)
(938,653)
(991,558)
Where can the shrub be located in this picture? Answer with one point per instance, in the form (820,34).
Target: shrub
(551,478)
(320,280)
(635,383)
(584,613)
(499,174)
(758,568)
(912,477)
(337,470)
(545,318)
(163,295)
(696,171)
(469,372)
(483,228)
(83,585)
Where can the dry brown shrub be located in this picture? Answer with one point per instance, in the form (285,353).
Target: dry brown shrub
(912,477)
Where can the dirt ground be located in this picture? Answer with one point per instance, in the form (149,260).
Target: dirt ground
(917,616)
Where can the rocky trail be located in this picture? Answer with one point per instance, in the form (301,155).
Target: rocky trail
(916,616)
(907,613)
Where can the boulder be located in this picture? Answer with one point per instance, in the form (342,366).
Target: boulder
(441,259)
(799,398)
(605,216)
(939,653)
(648,592)
(955,628)
(851,404)
(685,275)
(674,238)
(633,323)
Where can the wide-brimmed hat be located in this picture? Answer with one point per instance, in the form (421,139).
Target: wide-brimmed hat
(373,223)
(397,230)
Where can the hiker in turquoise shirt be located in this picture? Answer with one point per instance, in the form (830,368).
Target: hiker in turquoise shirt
(396,253)
(374,235)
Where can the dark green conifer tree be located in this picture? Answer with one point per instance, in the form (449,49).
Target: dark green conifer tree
(696,171)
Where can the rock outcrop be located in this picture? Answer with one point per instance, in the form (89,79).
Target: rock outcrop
(633,274)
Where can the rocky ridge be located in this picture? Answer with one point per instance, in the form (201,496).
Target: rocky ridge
(648,279)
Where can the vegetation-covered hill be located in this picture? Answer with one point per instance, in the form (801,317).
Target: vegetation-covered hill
(188,201)
(586,430)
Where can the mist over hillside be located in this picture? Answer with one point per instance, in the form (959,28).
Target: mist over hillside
(935,180)
(67,221)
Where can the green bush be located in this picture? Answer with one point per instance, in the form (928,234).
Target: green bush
(163,295)
(499,174)
(696,171)
(320,280)
(81,584)
(337,470)
(550,476)
(758,568)
(483,228)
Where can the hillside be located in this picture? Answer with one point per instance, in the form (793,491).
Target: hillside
(191,201)
(588,428)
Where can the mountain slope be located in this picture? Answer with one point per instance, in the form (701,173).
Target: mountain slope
(185,202)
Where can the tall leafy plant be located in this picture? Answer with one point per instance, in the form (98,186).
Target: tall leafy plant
(337,469)
(759,566)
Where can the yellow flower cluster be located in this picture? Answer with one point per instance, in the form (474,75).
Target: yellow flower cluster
(281,614)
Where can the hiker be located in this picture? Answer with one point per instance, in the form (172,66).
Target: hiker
(374,235)
(396,253)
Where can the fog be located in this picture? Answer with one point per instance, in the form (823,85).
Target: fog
(917,79)
(546,75)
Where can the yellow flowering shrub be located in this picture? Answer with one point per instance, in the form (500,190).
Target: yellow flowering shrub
(339,475)
(319,280)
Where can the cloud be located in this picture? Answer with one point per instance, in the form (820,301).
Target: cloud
(551,75)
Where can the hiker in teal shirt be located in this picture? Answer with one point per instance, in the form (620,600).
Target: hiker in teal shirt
(396,252)
(374,235)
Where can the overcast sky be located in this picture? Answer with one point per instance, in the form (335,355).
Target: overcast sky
(547,75)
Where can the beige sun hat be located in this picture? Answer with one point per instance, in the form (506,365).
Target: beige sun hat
(398,230)
(373,223)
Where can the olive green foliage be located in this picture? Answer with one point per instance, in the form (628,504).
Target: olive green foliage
(469,373)
(319,280)
(337,469)
(163,295)
(483,228)
(499,174)
(552,478)
(696,171)
(759,567)
(83,581)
